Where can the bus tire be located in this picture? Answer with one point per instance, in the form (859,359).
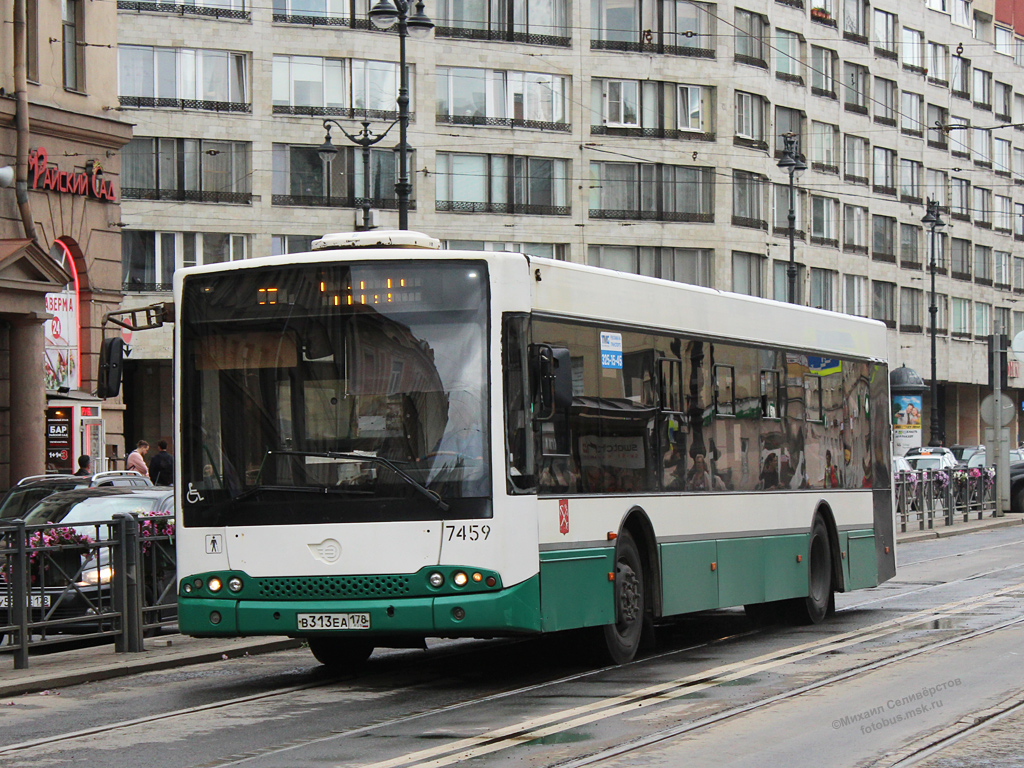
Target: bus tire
(340,654)
(819,602)
(621,639)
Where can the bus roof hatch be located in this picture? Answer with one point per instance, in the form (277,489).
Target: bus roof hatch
(395,238)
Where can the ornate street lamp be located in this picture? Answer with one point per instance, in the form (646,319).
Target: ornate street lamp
(934,221)
(365,139)
(384,15)
(794,164)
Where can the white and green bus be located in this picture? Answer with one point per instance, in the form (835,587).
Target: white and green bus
(381,441)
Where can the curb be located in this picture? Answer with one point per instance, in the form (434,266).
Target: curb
(953,530)
(122,665)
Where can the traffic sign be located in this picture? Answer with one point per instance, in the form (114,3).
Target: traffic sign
(1001,412)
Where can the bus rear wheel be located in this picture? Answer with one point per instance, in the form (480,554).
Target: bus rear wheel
(340,654)
(621,639)
(819,602)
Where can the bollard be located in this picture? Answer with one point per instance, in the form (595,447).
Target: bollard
(19,596)
(127,593)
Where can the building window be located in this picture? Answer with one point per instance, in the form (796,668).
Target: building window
(823,71)
(520,20)
(284,244)
(690,265)
(910,115)
(822,288)
(71,25)
(501,184)
(299,177)
(825,147)
(789,59)
(910,180)
(1001,269)
(913,49)
(855,20)
(689,27)
(750,116)
(910,245)
(781,211)
(885,101)
(855,229)
(1003,104)
(961,81)
(886,27)
(982,319)
(1003,214)
(856,81)
(981,139)
(747,277)
(182,77)
(780,282)
(982,89)
(961,12)
(855,295)
(694,266)
(1001,155)
(824,220)
(960,258)
(748,200)
(694,108)
(911,300)
(197,170)
(616,20)
(983,264)
(960,315)
(856,156)
(937,63)
(883,302)
(348,87)
(787,121)
(960,203)
(884,170)
(883,238)
(499,98)
(938,119)
(983,207)
(935,186)
(751,38)
(148,259)
(651,191)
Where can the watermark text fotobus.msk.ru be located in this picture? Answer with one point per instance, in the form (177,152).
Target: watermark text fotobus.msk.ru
(898,709)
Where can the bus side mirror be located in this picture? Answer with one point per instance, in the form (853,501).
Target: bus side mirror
(108,379)
(552,377)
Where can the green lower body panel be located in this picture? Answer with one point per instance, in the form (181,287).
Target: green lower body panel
(741,571)
(689,576)
(514,610)
(863,560)
(575,590)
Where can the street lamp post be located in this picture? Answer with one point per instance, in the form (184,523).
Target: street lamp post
(384,15)
(934,221)
(365,139)
(793,163)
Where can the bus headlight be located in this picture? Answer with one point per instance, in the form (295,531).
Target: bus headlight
(460,579)
(435,579)
(235,584)
(214,584)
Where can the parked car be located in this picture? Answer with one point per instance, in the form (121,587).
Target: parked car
(931,449)
(926,459)
(31,490)
(1017,487)
(75,580)
(980,459)
(900,464)
(963,453)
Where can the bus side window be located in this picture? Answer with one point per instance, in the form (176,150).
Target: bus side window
(770,395)
(519,445)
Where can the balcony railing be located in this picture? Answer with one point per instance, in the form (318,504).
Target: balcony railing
(143,102)
(465,33)
(637,215)
(184,10)
(651,133)
(502,122)
(652,47)
(461,206)
(186,195)
(354,113)
(337,201)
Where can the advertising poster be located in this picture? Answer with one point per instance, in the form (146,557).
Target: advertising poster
(60,341)
(58,440)
(906,423)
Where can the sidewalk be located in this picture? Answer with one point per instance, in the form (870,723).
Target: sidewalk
(58,670)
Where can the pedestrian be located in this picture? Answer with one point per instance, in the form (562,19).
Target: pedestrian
(161,466)
(135,461)
(84,465)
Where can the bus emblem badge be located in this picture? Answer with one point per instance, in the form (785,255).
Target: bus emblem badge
(327,551)
(563,516)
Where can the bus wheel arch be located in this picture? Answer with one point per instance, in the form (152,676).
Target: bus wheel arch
(821,571)
(639,525)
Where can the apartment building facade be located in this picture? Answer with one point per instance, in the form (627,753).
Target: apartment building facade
(60,251)
(639,136)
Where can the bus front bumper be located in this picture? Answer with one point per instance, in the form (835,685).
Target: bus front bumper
(514,610)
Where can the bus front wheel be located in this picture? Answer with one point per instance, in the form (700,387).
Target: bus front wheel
(622,638)
(340,654)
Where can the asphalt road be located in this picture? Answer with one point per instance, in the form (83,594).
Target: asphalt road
(925,669)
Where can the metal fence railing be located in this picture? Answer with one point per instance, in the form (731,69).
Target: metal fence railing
(930,496)
(112,579)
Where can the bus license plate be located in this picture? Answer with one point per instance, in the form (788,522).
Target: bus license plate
(333,620)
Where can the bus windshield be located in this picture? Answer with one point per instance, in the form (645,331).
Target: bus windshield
(334,393)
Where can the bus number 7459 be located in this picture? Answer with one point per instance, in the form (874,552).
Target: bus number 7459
(468,532)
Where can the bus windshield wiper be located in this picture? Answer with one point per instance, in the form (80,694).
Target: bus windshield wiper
(434,497)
